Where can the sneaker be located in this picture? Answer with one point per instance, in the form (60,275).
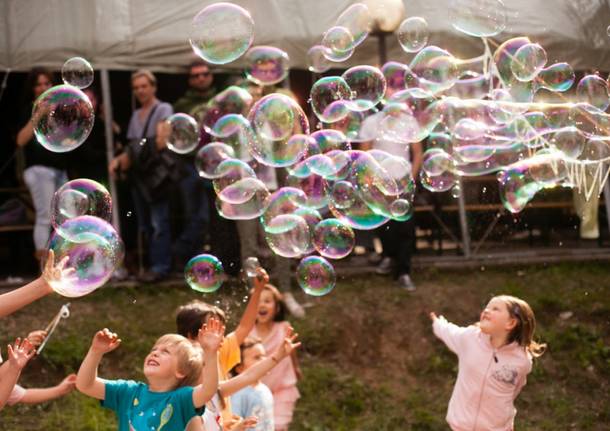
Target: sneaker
(385,266)
(293,306)
(405,282)
(373,258)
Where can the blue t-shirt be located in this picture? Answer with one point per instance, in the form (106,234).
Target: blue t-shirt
(255,401)
(139,409)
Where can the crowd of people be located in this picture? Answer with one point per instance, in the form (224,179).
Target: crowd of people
(198,378)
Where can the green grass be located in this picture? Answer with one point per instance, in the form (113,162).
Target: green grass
(369,357)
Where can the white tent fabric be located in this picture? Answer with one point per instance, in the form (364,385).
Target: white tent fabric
(127,34)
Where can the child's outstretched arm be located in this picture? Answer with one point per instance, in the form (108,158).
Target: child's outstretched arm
(19,298)
(210,338)
(87,380)
(257,371)
(451,334)
(41,395)
(18,356)
(249,318)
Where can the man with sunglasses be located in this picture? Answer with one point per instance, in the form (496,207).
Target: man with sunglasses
(193,191)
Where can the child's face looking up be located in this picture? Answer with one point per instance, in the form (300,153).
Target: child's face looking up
(495,318)
(252,356)
(162,363)
(266,307)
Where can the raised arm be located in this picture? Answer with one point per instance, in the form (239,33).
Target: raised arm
(210,338)
(451,334)
(26,134)
(41,395)
(18,356)
(249,318)
(87,380)
(259,370)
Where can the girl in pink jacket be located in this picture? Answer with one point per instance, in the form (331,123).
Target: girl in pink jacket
(495,356)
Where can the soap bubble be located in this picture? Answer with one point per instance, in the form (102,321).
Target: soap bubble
(438,171)
(80,197)
(317,60)
(339,43)
(210,156)
(333,239)
(221,33)
(204,273)
(357,20)
(229,172)
(62,118)
(343,194)
(183,133)
(94,250)
(528,62)
(277,117)
(266,65)
(479,18)
(413,34)
(316,276)
(329,98)
(280,153)
(593,90)
(77,72)
(288,235)
(367,85)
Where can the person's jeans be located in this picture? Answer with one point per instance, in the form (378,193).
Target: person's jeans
(153,221)
(196,214)
(42,181)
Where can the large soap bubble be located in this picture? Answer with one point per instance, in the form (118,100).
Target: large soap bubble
(77,72)
(80,197)
(94,250)
(184,133)
(204,273)
(62,118)
(333,239)
(413,34)
(266,65)
(316,276)
(277,117)
(480,18)
(221,33)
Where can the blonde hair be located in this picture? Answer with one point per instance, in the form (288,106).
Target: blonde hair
(190,361)
(523,332)
(146,74)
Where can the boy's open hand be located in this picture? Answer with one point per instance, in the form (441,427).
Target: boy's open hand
(55,274)
(37,337)
(105,341)
(20,353)
(211,335)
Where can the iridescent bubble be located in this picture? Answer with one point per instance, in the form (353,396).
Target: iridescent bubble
(517,188)
(547,167)
(438,171)
(204,273)
(285,200)
(342,194)
(288,235)
(315,188)
(400,208)
(339,42)
(396,123)
(277,117)
(329,97)
(350,126)
(333,239)
(435,69)
(316,276)
(80,197)
(241,191)
(357,20)
(413,34)
(230,172)
(569,141)
(94,250)
(528,61)
(249,210)
(280,153)
(479,18)
(394,74)
(592,89)
(62,118)
(210,156)
(221,33)
(557,77)
(367,85)
(232,100)
(183,133)
(77,72)
(266,65)
(328,140)
(317,60)
(312,217)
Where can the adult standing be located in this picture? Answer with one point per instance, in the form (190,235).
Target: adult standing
(150,178)
(193,190)
(44,170)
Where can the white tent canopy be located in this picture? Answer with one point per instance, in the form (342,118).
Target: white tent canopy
(127,34)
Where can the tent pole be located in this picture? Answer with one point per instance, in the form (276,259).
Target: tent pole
(108,120)
(464,221)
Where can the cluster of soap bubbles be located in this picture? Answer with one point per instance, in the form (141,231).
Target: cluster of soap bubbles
(80,214)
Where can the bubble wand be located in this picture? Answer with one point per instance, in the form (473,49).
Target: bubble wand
(64,313)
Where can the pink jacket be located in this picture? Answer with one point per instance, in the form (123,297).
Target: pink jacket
(488,380)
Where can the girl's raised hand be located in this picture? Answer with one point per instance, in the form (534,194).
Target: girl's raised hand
(211,335)
(289,344)
(105,341)
(20,353)
(433,316)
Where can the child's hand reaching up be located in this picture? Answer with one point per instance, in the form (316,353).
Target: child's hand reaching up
(37,337)
(211,334)
(67,385)
(56,274)
(433,316)
(20,353)
(288,346)
(261,279)
(105,341)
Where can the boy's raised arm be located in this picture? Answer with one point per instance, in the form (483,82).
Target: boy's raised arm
(87,380)
(210,338)
(249,318)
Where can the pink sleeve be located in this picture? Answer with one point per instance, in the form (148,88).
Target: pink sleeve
(451,334)
(523,378)
(16,395)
